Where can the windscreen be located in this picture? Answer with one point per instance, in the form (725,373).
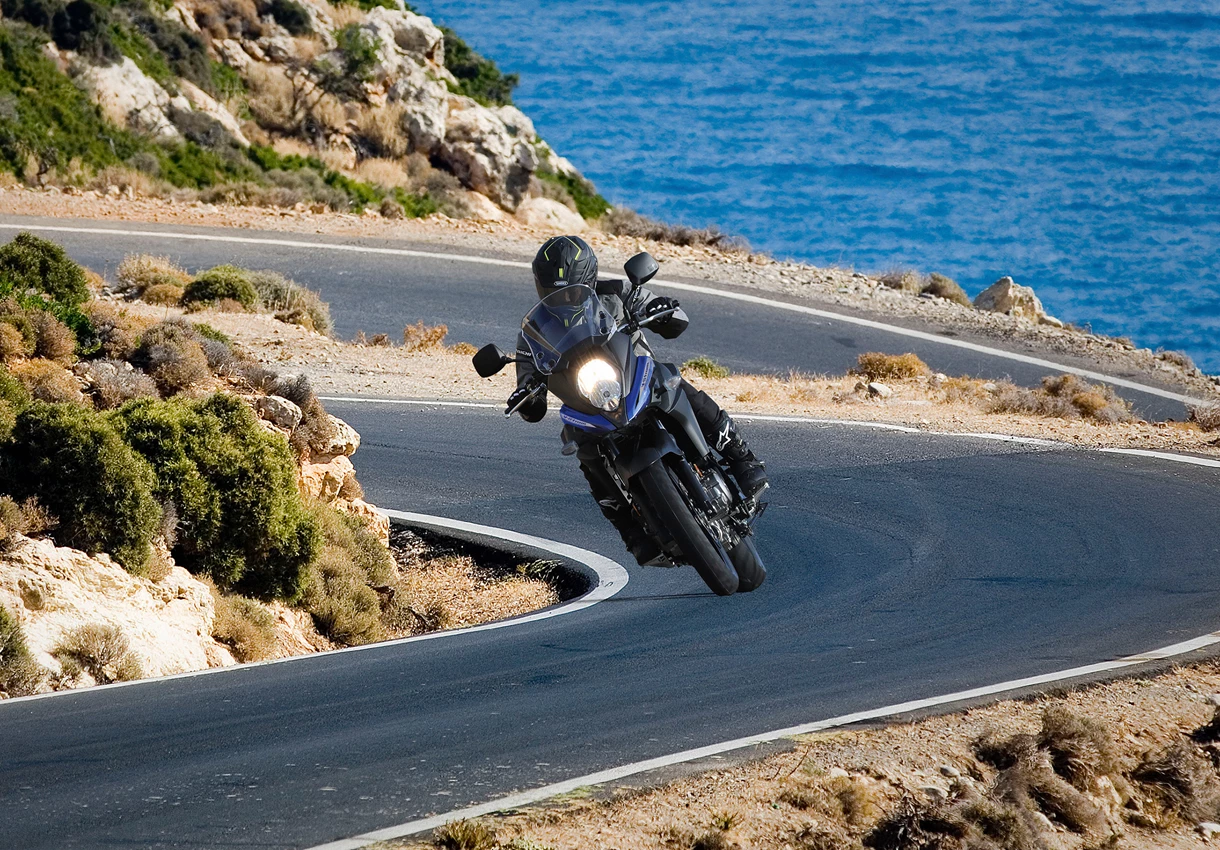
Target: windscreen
(563,320)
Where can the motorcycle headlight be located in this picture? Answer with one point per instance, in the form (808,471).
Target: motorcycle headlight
(599,382)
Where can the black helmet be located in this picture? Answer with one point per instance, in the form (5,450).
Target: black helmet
(562,261)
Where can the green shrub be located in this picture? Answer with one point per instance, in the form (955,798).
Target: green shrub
(292,16)
(29,263)
(102,651)
(588,202)
(477,76)
(340,594)
(358,52)
(75,463)
(225,281)
(233,486)
(705,367)
(12,390)
(20,675)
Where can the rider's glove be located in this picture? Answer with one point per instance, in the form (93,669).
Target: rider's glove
(518,395)
(659,305)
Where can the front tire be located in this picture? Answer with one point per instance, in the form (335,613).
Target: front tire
(750,570)
(672,512)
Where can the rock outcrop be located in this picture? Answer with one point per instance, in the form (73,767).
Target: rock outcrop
(53,590)
(1008,297)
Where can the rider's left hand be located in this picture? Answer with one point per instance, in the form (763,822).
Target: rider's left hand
(660,304)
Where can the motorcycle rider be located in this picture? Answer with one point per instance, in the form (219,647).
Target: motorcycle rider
(567,261)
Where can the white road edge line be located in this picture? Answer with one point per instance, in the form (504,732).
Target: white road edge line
(859,423)
(611,578)
(687,287)
(538,794)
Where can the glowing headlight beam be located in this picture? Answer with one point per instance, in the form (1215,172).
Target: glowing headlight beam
(599,382)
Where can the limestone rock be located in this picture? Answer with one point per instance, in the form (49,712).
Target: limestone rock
(543,212)
(412,33)
(203,102)
(1008,297)
(322,481)
(344,442)
(486,154)
(53,589)
(879,390)
(377,522)
(482,209)
(129,98)
(279,411)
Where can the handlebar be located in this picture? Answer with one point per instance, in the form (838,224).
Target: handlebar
(539,386)
(634,324)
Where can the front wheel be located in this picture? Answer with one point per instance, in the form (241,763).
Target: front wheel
(672,512)
(750,570)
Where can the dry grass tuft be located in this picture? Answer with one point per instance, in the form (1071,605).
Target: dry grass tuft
(906,280)
(388,173)
(48,381)
(1178,358)
(28,518)
(13,345)
(113,383)
(164,294)
(1181,782)
(1206,416)
(139,272)
(452,592)
(244,625)
(705,367)
(1065,397)
(876,366)
(947,288)
(53,339)
(421,338)
(381,131)
(102,651)
(465,835)
(620,221)
(1080,748)
(117,331)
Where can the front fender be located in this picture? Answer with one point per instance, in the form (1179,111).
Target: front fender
(652,447)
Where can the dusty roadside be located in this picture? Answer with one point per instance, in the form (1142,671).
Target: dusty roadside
(846,288)
(927,402)
(1128,764)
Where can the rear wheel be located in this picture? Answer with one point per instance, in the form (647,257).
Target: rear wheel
(750,570)
(673,514)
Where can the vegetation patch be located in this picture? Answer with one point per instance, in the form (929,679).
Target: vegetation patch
(20,674)
(100,650)
(478,77)
(244,625)
(705,367)
(1065,397)
(876,366)
(620,221)
(945,287)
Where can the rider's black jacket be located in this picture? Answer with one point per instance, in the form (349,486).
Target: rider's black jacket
(612,294)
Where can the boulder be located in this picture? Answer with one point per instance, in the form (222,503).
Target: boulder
(543,212)
(53,589)
(426,99)
(879,390)
(279,411)
(203,102)
(482,209)
(413,34)
(485,154)
(1009,297)
(322,481)
(130,98)
(345,441)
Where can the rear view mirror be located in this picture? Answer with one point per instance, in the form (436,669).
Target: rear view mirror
(641,268)
(489,360)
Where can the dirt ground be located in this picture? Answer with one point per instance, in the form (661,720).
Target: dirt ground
(843,287)
(1109,766)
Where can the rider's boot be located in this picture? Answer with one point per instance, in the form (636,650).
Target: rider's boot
(749,471)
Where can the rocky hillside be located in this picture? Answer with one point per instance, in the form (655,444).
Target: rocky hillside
(363,106)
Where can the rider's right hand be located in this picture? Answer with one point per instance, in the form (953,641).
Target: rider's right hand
(518,395)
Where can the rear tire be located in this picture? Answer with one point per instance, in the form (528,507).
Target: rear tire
(672,513)
(750,570)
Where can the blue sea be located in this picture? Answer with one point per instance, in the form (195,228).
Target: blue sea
(1075,147)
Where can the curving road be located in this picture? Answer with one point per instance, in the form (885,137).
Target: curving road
(902,566)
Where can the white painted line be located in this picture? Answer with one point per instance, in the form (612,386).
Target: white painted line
(611,578)
(524,798)
(1172,457)
(686,287)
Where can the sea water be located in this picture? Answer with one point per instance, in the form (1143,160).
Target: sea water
(1075,147)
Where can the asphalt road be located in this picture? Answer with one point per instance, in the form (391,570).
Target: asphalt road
(901,566)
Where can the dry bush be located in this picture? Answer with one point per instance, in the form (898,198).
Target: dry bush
(391,209)
(1178,358)
(1181,782)
(13,346)
(705,367)
(463,348)
(291,302)
(117,331)
(383,172)
(465,835)
(228,18)
(276,101)
(164,294)
(620,221)
(113,383)
(880,367)
(171,354)
(53,339)
(905,280)
(380,128)
(351,489)
(338,597)
(424,338)
(451,592)
(1207,416)
(102,651)
(124,178)
(1080,748)
(1065,397)
(945,287)
(316,429)
(244,625)
(48,381)
(139,272)
(20,674)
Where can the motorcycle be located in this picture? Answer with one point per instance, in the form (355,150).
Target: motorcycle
(646,433)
